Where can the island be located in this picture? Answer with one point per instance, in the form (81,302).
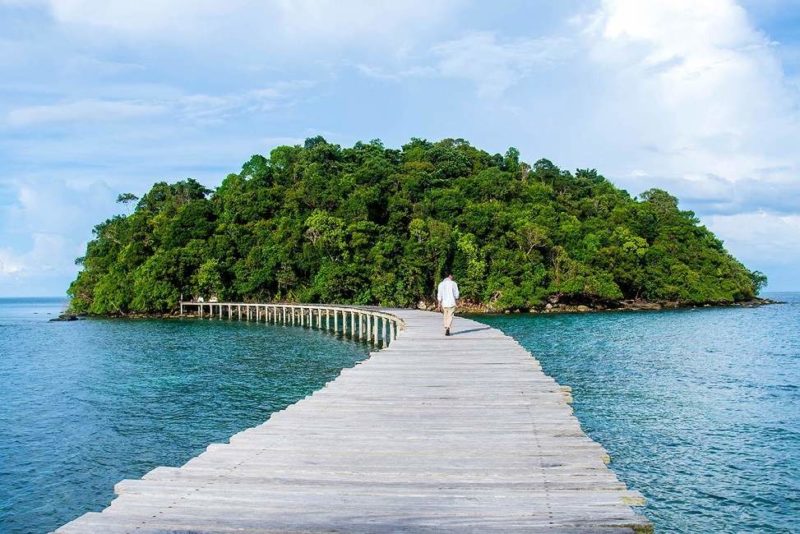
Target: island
(371,225)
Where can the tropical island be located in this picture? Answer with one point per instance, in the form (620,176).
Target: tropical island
(376,225)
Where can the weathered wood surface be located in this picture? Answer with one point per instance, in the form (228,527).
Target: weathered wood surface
(462,433)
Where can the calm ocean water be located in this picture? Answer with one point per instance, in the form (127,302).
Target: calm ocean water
(700,409)
(85,404)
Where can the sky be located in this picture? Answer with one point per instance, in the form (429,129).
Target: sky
(101,97)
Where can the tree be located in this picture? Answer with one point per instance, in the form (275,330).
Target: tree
(375,225)
(125,198)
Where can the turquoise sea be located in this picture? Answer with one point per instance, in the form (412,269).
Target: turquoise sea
(85,404)
(700,409)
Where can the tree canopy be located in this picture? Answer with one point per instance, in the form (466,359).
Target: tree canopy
(376,225)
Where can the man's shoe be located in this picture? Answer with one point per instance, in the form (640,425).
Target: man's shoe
(447,331)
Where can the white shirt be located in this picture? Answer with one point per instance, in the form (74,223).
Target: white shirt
(447,293)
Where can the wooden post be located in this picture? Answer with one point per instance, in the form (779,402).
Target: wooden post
(375,331)
(335,321)
(181,308)
(353,324)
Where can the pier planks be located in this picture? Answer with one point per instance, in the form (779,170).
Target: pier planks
(462,433)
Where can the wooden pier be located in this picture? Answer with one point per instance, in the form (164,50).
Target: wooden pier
(369,324)
(462,433)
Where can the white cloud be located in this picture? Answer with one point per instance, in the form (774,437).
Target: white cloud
(760,237)
(45,256)
(45,229)
(82,111)
(698,89)
(495,65)
(351,20)
(395,75)
(10,264)
(275,23)
(197,108)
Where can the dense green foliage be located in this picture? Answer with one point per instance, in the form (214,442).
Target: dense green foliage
(369,225)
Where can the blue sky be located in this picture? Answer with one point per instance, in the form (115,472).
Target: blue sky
(700,97)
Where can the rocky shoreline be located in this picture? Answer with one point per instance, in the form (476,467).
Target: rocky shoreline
(553,305)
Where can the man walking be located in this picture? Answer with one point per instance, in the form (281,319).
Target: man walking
(447,295)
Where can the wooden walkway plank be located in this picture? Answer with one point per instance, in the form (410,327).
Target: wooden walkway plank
(462,433)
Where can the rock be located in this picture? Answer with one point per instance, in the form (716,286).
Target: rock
(640,305)
(66,317)
(548,306)
(583,308)
(421,305)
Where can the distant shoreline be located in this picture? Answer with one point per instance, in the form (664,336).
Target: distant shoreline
(623,305)
(472,309)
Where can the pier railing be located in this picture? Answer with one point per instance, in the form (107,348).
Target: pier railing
(376,327)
